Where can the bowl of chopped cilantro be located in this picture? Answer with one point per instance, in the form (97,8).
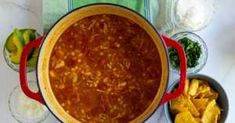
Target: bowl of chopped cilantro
(195,49)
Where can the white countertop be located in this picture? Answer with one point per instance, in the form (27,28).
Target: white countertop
(219,36)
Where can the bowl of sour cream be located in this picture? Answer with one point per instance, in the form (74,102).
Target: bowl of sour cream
(192,15)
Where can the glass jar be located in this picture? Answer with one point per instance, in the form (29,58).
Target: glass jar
(170,14)
(204,51)
(192,15)
(161,15)
(24,109)
(15,66)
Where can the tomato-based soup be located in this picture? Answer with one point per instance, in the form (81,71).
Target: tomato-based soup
(105,68)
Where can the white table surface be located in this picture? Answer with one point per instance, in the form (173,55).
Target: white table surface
(219,36)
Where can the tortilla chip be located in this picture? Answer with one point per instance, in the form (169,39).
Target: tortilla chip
(214,95)
(193,87)
(205,91)
(183,103)
(192,108)
(196,104)
(211,113)
(198,120)
(178,105)
(185,117)
(200,104)
(186,88)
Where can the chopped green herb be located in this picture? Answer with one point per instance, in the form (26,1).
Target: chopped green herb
(193,52)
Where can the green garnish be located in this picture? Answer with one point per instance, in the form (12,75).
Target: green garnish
(193,52)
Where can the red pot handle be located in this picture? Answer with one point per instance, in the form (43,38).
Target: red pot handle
(183,69)
(38,97)
(23,77)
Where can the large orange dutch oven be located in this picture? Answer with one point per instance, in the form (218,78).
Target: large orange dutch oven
(46,44)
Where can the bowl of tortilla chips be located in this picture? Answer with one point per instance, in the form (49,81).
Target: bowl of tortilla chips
(203,101)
